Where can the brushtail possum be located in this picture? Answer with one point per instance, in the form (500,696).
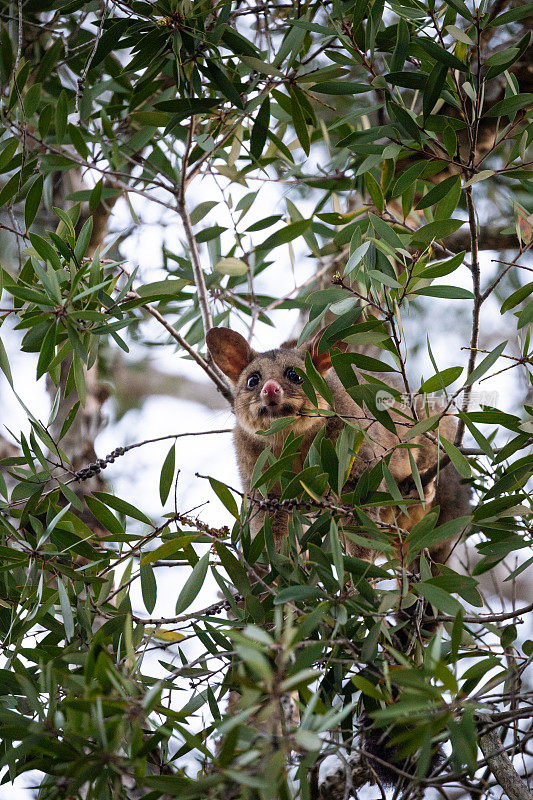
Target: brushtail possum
(268,386)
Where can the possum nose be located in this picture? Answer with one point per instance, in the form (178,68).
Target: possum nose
(271,390)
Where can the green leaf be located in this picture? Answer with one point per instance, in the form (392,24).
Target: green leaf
(438,192)
(109,40)
(526,316)
(441,380)
(76,137)
(261,66)
(374,190)
(165,550)
(277,426)
(442,268)
(356,257)
(445,207)
(84,239)
(285,235)
(260,128)
(46,251)
(300,125)
(486,364)
(516,297)
(407,177)
(317,381)
(405,121)
(96,195)
(188,106)
(461,8)
(408,80)
(66,610)
(341,87)
(4,363)
(527,647)
(502,57)
(167,474)
(308,740)
(61,116)
(103,515)
(69,419)
(122,507)
(9,189)
(210,233)
(47,350)
(161,290)
(198,213)
(33,200)
(520,12)
(457,458)
(193,584)
(439,54)
(336,551)
(236,572)
(386,232)
(222,82)
(401,47)
(443,601)
(459,35)
(481,176)
(9,148)
(521,48)
(225,497)
(435,230)
(427,424)
(148,587)
(450,292)
(362,361)
(434,86)
(509,634)
(510,105)
(231,266)
(261,224)
(296,594)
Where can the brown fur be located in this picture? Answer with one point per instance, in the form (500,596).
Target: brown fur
(238,361)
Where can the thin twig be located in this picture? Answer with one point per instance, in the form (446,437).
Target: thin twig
(221,385)
(198,272)
(478,300)
(19,39)
(81,80)
(482,618)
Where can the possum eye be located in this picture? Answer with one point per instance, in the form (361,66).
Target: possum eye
(293,376)
(253,380)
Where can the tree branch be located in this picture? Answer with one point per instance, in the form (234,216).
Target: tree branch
(482,618)
(221,385)
(476,280)
(198,272)
(501,765)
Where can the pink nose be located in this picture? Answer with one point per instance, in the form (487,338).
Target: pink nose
(271,390)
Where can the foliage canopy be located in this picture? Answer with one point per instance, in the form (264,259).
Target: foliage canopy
(402,133)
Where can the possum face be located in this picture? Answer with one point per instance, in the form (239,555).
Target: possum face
(267,385)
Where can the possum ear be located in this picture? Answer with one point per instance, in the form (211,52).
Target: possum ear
(322,360)
(230,351)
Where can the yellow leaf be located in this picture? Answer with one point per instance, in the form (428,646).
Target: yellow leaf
(164,635)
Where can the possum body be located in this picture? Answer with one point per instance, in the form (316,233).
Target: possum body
(267,387)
